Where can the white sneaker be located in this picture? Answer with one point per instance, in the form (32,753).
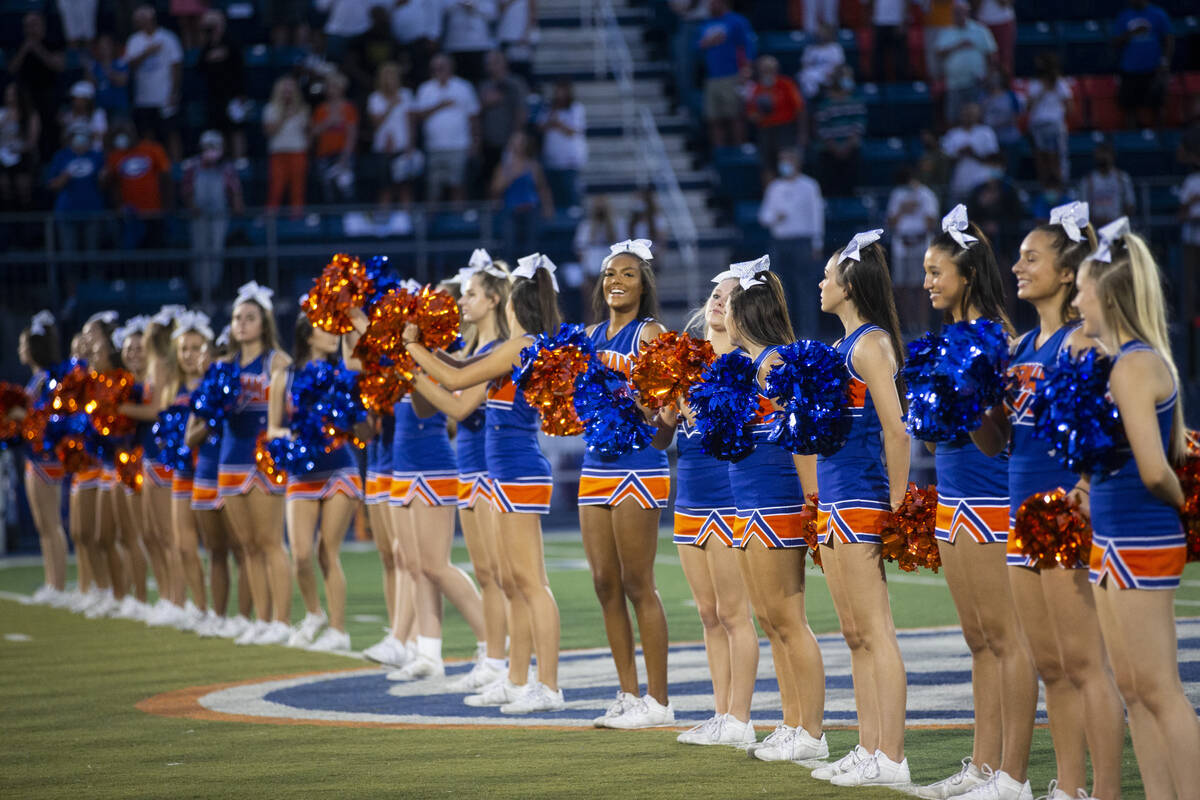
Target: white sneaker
(43,595)
(86,600)
(210,626)
(843,764)
(536,697)
(735,733)
(1055,793)
(306,632)
(331,640)
(959,783)
(704,733)
(389,650)
(274,633)
(129,608)
(419,667)
(644,712)
(192,617)
(233,627)
(875,770)
(793,744)
(772,739)
(59,599)
(106,606)
(252,632)
(481,675)
(499,693)
(618,707)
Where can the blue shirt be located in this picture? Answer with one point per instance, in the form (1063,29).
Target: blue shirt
(1144,50)
(724,59)
(82,191)
(112,98)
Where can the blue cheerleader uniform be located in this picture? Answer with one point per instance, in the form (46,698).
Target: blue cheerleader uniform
(471,453)
(183,480)
(518,471)
(972,493)
(43,465)
(239,471)
(335,472)
(379,462)
(704,504)
(423,464)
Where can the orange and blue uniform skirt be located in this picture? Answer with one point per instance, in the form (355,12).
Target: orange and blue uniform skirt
(423,465)
(43,467)
(518,472)
(1137,540)
(379,463)
(336,473)
(206,494)
(183,482)
(471,454)
(239,472)
(704,505)
(972,494)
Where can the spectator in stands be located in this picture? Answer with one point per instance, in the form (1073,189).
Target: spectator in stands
(1143,35)
(188,13)
(390,109)
(448,110)
(211,190)
(970,144)
(138,174)
(912,220)
(889,61)
(78,22)
(995,206)
(777,111)
(593,236)
(819,14)
(1051,192)
(564,143)
(82,113)
(347,19)
(36,68)
(20,127)
(728,44)
(966,51)
(519,183)
(335,130)
(1107,190)
(1001,19)
(376,47)
(468,35)
(417,27)
(110,75)
(646,221)
(517,31)
(74,173)
(820,62)
(1001,110)
(1050,102)
(156,59)
(287,21)
(938,17)
(934,167)
(503,110)
(841,124)
(1187,310)
(793,210)
(286,123)
(221,66)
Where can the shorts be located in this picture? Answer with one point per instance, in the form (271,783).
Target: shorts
(1151,562)
(982,519)
(780,528)
(1141,90)
(473,488)
(723,98)
(1048,137)
(523,495)
(650,488)
(431,488)
(444,169)
(694,526)
(851,521)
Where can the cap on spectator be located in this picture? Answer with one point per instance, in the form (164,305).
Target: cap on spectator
(211,140)
(83,89)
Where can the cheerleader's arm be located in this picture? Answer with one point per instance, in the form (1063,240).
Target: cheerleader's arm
(1139,379)
(991,436)
(456,405)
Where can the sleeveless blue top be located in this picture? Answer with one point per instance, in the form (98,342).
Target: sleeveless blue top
(340,458)
(242,427)
(471,444)
(421,444)
(963,470)
(766,478)
(511,434)
(618,352)
(701,481)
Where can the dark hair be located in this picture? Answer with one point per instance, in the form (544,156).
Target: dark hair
(1070,255)
(868,285)
(302,335)
(114,355)
(535,303)
(978,266)
(270,331)
(647,303)
(760,313)
(43,347)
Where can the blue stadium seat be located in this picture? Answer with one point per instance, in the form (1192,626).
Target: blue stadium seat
(155,293)
(909,107)
(1163,200)
(1087,48)
(849,210)
(1141,153)
(453,226)
(880,159)
(787,46)
(298,230)
(1080,147)
(1034,38)
(738,172)
(870,95)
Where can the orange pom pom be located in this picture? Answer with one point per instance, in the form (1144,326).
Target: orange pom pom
(381,389)
(71,393)
(342,285)
(436,315)
(908,535)
(384,336)
(1189,480)
(667,367)
(809,515)
(129,467)
(33,429)
(1050,530)
(550,389)
(72,453)
(266,462)
(106,392)
(11,397)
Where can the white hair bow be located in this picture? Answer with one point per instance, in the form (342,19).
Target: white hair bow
(167,314)
(956,223)
(480,260)
(745,272)
(637,247)
(41,321)
(194,322)
(223,339)
(1073,217)
(259,294)
(858,241)
(527,267)
(107,317)
(1108,235)
(410,285)
(132,325)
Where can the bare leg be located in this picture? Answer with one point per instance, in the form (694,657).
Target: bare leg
(302,516)
(480,538)
(337,512)
(523,552)
(187,544)
(635,532)
(599,544)
(436,524)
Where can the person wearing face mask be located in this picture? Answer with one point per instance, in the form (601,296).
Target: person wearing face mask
(1107,190)
(211,190)
(793,210)
(139,175)
(75,176)
(777,111)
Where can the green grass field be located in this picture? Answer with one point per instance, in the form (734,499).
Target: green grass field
(71,729)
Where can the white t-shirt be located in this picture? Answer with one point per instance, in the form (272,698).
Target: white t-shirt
(514,22)
(1189,197)
(561,150)
(888,13)
(96,124)
(152,78)
(817,64)
(450,127)
(291,136)
(417,19)
(347,17)
(468,25)
(995,12)
(1048,105)
(911,223)
(794,208)
(969,146)
(392,135)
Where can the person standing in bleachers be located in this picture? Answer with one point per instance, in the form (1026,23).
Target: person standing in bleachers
(335,130)
(417,27)
(841,123)
(36,68)
(965,51)
(517,32)
(347,19)
(468,36)
(820,62)
(78,21)
(448,110)
(777,110)
(82,113)
(286,124)
(138,173)
(393,140)
(210,190)
(1051,101)
(912,218)
(109,73)
(222,67)
(1107,190)
(889,43)
(793,210)
(1001,19)
(503,110)
(728,46)
(156,59)
(564,143)
(1142,32)
(74,174)
(970,144)
(519,184)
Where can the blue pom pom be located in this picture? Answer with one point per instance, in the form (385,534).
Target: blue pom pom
(725,403)
(60,426)
(568,334)
(217,395)
(810,384)
(381,277)
(1073,413)
(325,398)
(953,377)
(613,424)
(170,432)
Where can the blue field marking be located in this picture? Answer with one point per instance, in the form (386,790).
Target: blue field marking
(937,662)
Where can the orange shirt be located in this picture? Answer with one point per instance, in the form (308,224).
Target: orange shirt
(940,14)
(137,172)
(332,141)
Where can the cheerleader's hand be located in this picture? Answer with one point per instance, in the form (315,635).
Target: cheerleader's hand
(411,333)
(668,416)
(1081,497)
(358,318)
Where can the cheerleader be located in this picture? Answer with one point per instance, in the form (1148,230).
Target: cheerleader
(253,504)
(705,522)
(1138,546)
(621,499)
(858,486)
(520,482)
(768,489)
(88,591)
(129,341)
(1055,607)
(963,281)
(37,348)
